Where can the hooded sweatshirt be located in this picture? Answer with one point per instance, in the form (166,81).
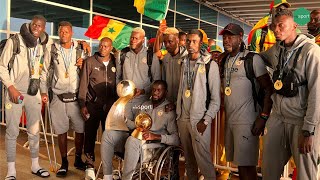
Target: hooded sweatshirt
(304,108)
(198,109)
(20,73)
(171,70)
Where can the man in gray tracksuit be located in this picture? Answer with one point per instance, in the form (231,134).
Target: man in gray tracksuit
(293,126)
(26,69)
(164,128)
(134,68)
(196,109)
(61,60)
(171,63)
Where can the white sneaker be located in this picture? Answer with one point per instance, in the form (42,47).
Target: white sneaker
(90,175)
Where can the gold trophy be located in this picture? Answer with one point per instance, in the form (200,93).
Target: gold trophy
(143,122)
(115,119)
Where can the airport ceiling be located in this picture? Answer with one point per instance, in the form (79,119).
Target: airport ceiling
(253,10)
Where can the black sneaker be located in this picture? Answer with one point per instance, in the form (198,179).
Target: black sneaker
(79,164)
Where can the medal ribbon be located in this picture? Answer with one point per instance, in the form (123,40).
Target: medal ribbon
(66,59)
(190,75)
(33,55)
(229,69)
(283,65)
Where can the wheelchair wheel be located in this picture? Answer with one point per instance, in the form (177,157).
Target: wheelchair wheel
(167,167)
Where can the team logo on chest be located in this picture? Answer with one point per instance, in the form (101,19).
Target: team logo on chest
(144,60)
(160,113)
(97,68)
(113,69)
(238,62)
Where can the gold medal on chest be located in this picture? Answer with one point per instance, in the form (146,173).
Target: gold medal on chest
(187,94)
(278,85)
(227,91)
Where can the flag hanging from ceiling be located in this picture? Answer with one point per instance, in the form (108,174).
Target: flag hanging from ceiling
(155,9)
(117,31)
(260,24)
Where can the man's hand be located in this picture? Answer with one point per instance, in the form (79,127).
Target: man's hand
(149,136)
(44,97)
(79,63)
(138,92)
(305,144)
(162,28)
(258,126)
(84,113)
(86,47)
(201,127)
(14,94)
(170,107)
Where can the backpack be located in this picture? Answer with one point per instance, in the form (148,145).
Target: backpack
(16,48)
(207,84)
(258,97)
(149,61)
(264,32)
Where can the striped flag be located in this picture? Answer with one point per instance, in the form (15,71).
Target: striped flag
(117,31)
(154,9)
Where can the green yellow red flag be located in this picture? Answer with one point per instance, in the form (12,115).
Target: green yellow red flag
(117,31)
(154,9)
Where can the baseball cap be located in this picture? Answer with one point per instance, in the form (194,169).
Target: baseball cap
(215,48)
(277,3)
(234,29)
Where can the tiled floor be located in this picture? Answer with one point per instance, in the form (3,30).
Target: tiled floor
(23,161)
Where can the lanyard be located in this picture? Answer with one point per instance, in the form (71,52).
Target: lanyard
(33,56)
(229,69)
(282,66)
(66,59)
(190,75)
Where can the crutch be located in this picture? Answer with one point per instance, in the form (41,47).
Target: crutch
(46,141)
(53,169)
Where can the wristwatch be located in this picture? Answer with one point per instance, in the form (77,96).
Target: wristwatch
(306,133)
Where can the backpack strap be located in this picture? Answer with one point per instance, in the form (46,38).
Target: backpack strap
(207,66)
(79,50)
(264,32)
(248,66)
(149,63)
(305,82)
(16,50)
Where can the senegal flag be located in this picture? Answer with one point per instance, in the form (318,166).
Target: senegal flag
(154,9)
(117,31)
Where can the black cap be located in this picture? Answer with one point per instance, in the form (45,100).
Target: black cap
(234,29)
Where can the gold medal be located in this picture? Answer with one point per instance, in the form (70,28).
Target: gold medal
(66,75)
(202,68)
(227,91)
(32,71)
(278,85)
(187,94)
(8,105)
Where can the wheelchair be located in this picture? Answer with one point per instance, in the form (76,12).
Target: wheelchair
(157,162)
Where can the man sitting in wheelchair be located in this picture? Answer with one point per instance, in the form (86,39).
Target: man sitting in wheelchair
(162,132)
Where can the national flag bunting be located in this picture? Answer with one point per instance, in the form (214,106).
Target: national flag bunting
(117,31)
(154,9)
